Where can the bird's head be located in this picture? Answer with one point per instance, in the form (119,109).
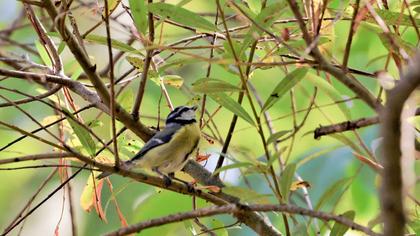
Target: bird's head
(182,115)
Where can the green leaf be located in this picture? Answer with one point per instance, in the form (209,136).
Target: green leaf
(247,195)
(82,134)
(284,86)
(136,62)
(181,15)
(286,180)
(139,13)
(232,166)
(209,85)
(219,227)
(112,5)
(114,43)
(323,85)
(264,19)
(393,18)
(346,141)
(43,54)
(230,104)
(277,135)
(173,80)
(102,40)
(254,5)
(339,229)
(126,99)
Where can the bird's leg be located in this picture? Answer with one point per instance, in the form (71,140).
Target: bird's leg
(190,186)
(166,179)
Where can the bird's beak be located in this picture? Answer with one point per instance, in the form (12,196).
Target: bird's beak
(194,108)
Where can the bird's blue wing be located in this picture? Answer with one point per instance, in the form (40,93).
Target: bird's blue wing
(161,137)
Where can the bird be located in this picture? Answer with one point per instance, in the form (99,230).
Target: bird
(169,149)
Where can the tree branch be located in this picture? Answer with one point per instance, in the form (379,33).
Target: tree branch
(349,125)
(234,209)
(391,189)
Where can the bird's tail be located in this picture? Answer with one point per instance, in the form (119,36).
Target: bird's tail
(126,165)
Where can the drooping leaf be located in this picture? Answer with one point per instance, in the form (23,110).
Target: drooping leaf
(210,85)
(112,5)
(332,92)
(43,54)
(136,62)
(230,104)
(286,180)
(277,135)
(247,195)
(91,196)
(103,41)
(181,15)
(339,229)
(126,99)
(264,20)
(232,166)
(284,86)
(393,18)
(139,14)
(299,184)
(219,226)
(83,135)
(173,80)
(114,43)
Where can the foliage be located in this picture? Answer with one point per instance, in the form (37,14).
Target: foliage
(264,89)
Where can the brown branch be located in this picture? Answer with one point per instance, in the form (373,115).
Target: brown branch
(235,209)
(50,92)
(112,86)
(147,61)
(391,189)
(90,70)
(352,84)
(349,125)
(36,157)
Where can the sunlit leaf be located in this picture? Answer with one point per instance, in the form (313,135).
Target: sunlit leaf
(139,13)
(346,141)
(277,135)
(173,80)
(254,5)
(299,184)
(393,18)
(126,99)
(230,104)
(287,83)
(286,180)
(232,166)
(112,5)
(331,91)
(136,62)
(210,85)
(339,229)
(220,226)
(83,135)
(247,195)
(103,41)
(43,54)
(264,20)
(89,198)
(181,15)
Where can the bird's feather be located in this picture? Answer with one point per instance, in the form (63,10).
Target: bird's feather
(161,137)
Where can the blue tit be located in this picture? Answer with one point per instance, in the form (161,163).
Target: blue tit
(169,149)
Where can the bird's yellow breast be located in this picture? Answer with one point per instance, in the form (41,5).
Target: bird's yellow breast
(172,156)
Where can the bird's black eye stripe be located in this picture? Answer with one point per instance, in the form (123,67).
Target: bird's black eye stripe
(176,112)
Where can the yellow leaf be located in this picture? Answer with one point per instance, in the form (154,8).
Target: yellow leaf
(299,184)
